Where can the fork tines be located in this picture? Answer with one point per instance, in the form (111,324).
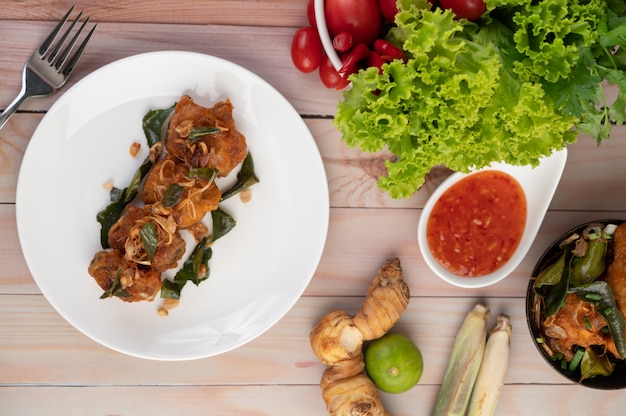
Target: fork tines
(56,52)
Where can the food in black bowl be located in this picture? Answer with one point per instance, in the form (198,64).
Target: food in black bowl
(576,302)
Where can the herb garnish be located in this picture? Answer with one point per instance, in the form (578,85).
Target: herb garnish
(172,195)
(149,239)
(116,288)
(199,132)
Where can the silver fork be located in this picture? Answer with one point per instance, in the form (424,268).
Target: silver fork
(50,66)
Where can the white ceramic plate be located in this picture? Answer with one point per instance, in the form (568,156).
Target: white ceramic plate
(539,185)
(258,270)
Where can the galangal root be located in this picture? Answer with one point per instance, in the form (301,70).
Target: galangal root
(337,341)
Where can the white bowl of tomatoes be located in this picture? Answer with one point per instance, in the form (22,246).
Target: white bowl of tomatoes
(352,33)
(345,36)
(342,24)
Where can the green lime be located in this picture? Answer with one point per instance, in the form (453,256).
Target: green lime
(394,363)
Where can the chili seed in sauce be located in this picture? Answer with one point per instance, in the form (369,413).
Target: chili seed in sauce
(476,225)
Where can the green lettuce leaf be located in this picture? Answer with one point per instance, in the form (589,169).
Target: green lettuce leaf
(453,103)
(514,87)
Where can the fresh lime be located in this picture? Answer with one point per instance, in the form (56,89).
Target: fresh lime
(394,363)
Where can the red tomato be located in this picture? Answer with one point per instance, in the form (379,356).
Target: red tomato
(362,18)
(310,13)
(388,8)
(306,49)
(468,9)
(329,76)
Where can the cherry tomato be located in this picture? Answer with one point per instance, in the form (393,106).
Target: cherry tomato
(468,9)
(361,18)
(342,42)
(310,13)
(329,75)
(306,49)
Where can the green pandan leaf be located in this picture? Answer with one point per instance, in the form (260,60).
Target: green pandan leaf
(199,132)
(555,298)
(245,178)
(116,288)
(593,365)
(155,124)
(207,173)
(172,195)
(223,223)
(195,270)
(149,239)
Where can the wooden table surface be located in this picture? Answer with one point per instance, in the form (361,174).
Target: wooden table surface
(47,367)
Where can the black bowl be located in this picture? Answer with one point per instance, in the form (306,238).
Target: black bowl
(617,380)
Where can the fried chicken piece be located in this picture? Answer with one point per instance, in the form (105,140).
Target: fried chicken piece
(616,272)
(135,283)
(577,323)
(125,237)
(199,196)
(118,233)
(170,245)
(163,173)
(223,150)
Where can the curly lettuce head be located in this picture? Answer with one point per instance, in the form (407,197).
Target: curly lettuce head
(452,103)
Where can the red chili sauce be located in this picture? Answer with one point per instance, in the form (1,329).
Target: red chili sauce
(476,225)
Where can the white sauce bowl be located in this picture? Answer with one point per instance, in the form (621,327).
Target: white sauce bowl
(539,185)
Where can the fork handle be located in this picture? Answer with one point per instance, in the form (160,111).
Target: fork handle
(8,112)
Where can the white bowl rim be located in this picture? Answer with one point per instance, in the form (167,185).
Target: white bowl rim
(322,29)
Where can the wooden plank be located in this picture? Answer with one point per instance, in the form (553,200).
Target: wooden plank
(221,12)
(113,41)
(16,277)
(593,179)
(286,400)
(50,368)
(14,138)
(358,241)
(352,175)
(77,373)
(39,347)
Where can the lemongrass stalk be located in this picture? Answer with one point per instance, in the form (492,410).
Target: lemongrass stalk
(490,380)
(465,358)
